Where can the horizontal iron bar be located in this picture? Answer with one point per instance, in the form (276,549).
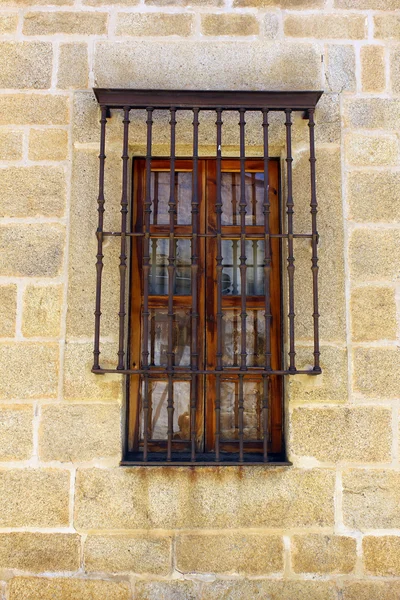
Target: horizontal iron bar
(188,372)
(260,236)
(180,459)
(207,99)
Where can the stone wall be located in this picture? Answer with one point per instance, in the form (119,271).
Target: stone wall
(73,524)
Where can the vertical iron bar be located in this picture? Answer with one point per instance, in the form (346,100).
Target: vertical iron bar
(290,260)
(267,291)
(314,243)
(194,273)
(146,273)
(243,268)
(218,210)
(171,285)
(123,257)
(99,235)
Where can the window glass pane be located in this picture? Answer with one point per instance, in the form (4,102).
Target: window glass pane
(158,414)
(252,416)
(158,280)
(230,189)
(255,337)
(254,273)
(160,192)
(158,337)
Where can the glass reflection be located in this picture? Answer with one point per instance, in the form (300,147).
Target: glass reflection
(158,414)
(252,415)
(231,284)
(158,280)
(160,195)
(254,190)
(255,338)
(158,337)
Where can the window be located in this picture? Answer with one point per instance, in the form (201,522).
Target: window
(203,246)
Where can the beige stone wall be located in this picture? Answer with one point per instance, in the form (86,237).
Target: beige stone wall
(73,524)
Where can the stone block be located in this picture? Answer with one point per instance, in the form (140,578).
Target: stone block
(171,590)
(22,109)
(39,552)
(31,588)
(39,362)
(340,73)
(372,113)
(8,23)
(144,553)
(154,24)
(80,432)
(229,24)
(387,27)
(32,192)
(246,553)
(395,69)
(42,306)
(10,144)
(323,554)
(34,498)
(330,386)
(73,54)
(371,590)
(373,77)
(373,255)
(48,144)
(73,23)
(371,150)
(376,372)
(125,3)
(16,432)
(381,555)
(200,3)
(8,310)
(211,497)
(373,196)
(373,314)
(271,590)
(174,65)
(284,4)
(22,3)
(334,26)
(357,434)
(367,4)
(25,65)
(34,250)
(371,499)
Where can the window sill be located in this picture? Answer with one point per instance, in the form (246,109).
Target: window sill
(203,460)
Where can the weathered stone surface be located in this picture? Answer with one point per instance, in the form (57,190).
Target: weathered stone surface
(387,27)
(110,2)
(143,553)
(80,383)
(10,144)
(330,386)
(25,64)
(30,588)
(34,498)
(21,3)
(22,109)
(373,69)
(371,150)
(209,498)
(382,555)
(154,24)
(48,144)
(372,113)
(42,306)
(43,247)
(32,191)
(376,372)
(373,255)
(40,370)
(8,23)
(367,4)
(373,314)
(229,24)
(340,68)
(373,196)
(73,54)
(325,26)
(172,65)
(40,552)
(271,24)
(77,23)
(248,553)
(395,70)
(273,590)
(371,499)
(360,434)
(171,590)
(16,432)
(79,432)
(323,554)
(213,3)
(8,308)
(371,590)
(284,4)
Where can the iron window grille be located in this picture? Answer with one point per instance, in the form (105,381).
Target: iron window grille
(133,237)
